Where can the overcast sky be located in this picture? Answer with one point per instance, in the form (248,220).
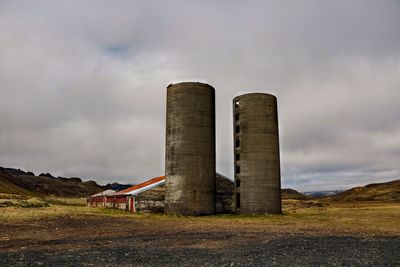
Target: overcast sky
(83,84)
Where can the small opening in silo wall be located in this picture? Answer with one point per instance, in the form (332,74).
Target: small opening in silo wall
(237,157)
(237,143)
(237,169)
(237,129)
(238,200)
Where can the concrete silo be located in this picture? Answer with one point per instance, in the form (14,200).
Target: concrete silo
(256,154)
(190,149)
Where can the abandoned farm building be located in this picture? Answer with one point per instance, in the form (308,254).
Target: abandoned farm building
(149,196)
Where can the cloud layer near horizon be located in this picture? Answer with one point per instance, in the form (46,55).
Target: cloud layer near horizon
(82,84)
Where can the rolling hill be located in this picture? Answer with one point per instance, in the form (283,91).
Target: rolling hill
(15,181)
(389,191)
(288,193)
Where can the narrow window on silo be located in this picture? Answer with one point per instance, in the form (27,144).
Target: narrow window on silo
(237,157)
(238,200)
(237,143)
(236,116)
(237,183)
(237,169)
(236,104)
(237,129)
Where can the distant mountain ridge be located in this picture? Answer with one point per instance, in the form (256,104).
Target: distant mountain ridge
(117,186)
(322,193)
(17,181)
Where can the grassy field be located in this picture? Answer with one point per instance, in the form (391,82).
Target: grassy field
(299,216)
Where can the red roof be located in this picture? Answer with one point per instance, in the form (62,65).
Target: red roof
(146,183)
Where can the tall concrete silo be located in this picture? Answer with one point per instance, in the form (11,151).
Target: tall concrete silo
(190,149)
(256,154)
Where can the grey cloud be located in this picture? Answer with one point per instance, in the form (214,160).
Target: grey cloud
(82,85)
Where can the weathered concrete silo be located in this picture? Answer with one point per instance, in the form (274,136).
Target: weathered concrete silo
(190,149)
(256,154)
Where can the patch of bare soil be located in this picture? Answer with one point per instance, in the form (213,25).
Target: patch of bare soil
(136,241)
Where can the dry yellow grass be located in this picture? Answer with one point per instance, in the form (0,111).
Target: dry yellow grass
(359,218)
(16,214)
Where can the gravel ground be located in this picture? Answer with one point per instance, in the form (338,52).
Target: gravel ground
(289,251)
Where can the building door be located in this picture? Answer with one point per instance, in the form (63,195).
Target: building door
(132,204)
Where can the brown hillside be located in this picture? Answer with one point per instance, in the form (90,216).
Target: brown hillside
(288,193)
(8,187)
(21,183)
(389,191)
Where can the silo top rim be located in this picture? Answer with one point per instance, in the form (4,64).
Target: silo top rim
(252,94)
(189,84)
